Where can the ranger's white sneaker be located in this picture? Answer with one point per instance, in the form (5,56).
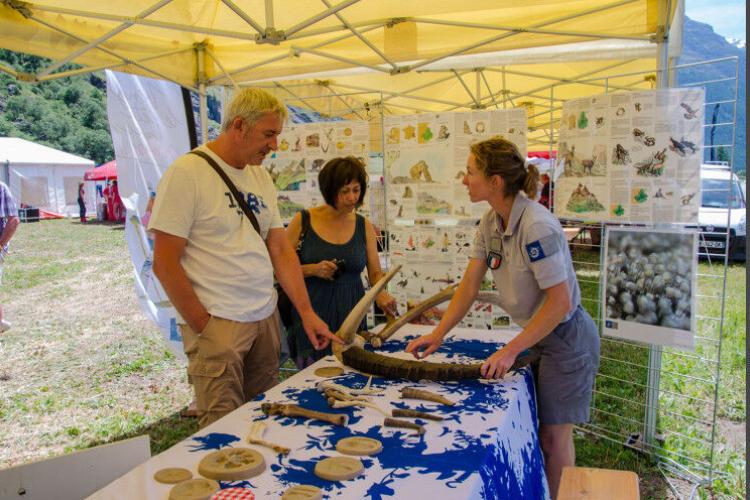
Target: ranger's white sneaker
(4,325)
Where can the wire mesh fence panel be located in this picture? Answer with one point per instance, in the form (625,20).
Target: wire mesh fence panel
(668,408)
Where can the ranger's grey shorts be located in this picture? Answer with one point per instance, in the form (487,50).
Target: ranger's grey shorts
(565,372)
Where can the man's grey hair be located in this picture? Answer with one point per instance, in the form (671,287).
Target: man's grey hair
(250,104)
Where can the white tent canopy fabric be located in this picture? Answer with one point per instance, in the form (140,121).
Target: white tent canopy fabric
(43,177)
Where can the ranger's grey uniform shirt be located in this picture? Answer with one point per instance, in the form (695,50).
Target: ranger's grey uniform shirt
(534,256)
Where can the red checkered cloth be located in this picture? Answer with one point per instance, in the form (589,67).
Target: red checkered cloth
(234,494)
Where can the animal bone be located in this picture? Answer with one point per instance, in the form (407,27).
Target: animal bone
(414,393)
(255,436)
(391,367)
(352,354)
(443,295)
(335,403)
(348,328)
(393,422)
(409,413)
(288,410)
(327,384)
(391,328)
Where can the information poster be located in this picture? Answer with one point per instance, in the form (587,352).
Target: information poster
(631,157)
(431,221)
(303,150)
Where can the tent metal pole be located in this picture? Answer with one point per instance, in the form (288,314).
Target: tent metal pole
(102,39)
(285,55)
(506,35)
(269,14)
(203,98)
(318,17)
(146,22)
(300,99)
(221,67)
(504,91)
(521,29)
(424,86)
(88,69)
(371,24)
(655,351)
(344,60)
(125,60)
(243,15)
(466,87)
(361,38)
(489,89)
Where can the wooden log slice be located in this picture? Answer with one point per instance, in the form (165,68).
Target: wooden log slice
(338,468)
(172,475)
(329,371)
(359,445)
(194,489)
(303,492)
(232,464)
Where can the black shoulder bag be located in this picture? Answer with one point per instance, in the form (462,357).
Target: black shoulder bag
(285,305)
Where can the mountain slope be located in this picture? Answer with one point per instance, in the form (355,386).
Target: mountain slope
(701,43)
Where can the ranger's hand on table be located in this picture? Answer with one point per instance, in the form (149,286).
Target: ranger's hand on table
(427,344)
(498,364)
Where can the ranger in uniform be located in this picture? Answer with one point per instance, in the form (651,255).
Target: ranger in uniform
(524,246)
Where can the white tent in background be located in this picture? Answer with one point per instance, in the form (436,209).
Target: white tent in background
(43,177)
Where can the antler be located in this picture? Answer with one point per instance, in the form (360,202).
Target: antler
(392,327)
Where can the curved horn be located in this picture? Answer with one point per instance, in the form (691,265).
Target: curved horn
(350,325)
(393,327)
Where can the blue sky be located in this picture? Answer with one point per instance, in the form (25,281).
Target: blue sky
(726,16)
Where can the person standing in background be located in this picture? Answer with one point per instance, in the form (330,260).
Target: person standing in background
(81,203)
(8,224)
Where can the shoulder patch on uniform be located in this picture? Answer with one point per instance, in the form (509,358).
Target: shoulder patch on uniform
(544,247)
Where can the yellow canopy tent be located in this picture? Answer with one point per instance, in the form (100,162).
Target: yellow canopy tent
(423,55)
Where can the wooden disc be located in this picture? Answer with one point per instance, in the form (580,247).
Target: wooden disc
(232,464)
(329,371)
(194,489)
(303,492)
(359,445)
(338,468)
(173,475)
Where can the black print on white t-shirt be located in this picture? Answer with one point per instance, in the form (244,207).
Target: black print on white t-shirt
(254,202)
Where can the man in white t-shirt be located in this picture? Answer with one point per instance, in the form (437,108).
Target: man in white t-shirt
(218,270)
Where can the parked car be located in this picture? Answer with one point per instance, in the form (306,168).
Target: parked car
(722,207)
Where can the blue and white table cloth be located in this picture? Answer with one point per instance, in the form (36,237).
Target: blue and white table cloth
(486,447)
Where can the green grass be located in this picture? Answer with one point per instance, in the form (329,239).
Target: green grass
(83,366)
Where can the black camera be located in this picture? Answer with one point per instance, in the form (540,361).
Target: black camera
(340,267)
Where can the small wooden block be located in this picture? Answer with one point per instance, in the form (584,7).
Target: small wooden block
(585,483)
(303,492)
(329,371)
(338,468)
(232,464)
(194,489)
(172,475)
(359,445)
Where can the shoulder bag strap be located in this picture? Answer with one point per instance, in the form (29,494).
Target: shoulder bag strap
(235,192)
(305,227)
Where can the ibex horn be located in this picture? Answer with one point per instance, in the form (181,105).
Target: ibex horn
(349,327)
